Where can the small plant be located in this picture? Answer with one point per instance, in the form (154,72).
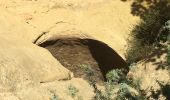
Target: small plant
(89,74)
(107,94)
(72,91)
(164,33)
(168,58)
(137,51)
(115,76)
(124,84)
(99,95)
(88,70)
(124,92)
(55,97)
(136,83)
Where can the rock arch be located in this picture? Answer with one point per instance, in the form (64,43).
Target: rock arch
(72,52)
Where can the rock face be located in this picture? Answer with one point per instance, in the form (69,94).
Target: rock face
(30,72)
(74,53)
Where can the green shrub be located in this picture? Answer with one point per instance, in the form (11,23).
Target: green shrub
(55,97)
(124,92)
(72,91)
(124,84)
(89,74)
(136,51)
(115,79)
(168,58)
(115,76)
(107,94)
(88,70)
(100,96)
(144,35)
(148,32)
(109,90)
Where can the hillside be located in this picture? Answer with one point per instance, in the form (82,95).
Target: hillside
(43,43)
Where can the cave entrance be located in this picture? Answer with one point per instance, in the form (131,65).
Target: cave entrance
(73,52)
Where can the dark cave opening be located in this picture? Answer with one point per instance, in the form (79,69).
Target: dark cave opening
(73,52)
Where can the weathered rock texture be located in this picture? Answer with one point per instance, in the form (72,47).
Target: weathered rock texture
(30,72)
